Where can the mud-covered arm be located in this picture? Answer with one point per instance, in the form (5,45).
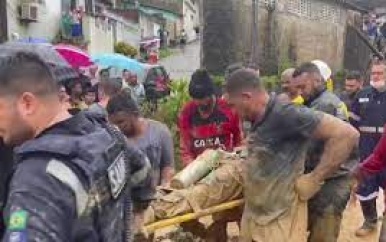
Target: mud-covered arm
(40,206)
(340,138)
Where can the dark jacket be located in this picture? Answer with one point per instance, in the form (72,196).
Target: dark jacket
(369,116)
(71,183)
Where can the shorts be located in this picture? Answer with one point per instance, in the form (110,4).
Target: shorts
(291,227)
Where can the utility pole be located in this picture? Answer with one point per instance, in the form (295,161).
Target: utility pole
(3,21)
(254,58)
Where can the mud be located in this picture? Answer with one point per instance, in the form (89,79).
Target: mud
(351,221)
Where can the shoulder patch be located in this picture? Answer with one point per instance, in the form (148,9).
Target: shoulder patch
(364,100)
(18,220)
(19,236)
(117,173)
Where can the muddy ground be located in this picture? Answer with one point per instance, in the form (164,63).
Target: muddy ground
(352,220)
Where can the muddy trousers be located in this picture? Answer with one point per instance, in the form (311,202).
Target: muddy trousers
(290,227)
(325,210)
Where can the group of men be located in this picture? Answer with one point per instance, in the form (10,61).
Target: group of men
(75,177)
(328,153)
(367,114)
(83,92)
(107,160)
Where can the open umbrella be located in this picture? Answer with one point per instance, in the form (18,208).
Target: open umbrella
(118,61)
(75,56)
(61,69)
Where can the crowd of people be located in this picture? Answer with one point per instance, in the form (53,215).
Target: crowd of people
(87,162)
(375,29)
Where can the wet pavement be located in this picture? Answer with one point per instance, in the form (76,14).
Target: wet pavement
(183,62)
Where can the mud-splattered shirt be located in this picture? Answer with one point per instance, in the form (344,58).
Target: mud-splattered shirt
(277,148)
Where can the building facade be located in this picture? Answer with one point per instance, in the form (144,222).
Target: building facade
(191,18)
(33,18)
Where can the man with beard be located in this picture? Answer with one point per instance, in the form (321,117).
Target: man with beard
(369,117)
(72,173)
(207,122)
(353,84)
(150,136)
(325,209)
(275,188)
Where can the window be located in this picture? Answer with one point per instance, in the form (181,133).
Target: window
(318,10)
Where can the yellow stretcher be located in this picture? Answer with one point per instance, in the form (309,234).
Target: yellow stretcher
(151,228)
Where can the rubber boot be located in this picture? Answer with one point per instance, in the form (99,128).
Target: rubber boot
(369,209)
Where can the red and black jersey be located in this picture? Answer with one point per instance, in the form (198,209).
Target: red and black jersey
(220,130)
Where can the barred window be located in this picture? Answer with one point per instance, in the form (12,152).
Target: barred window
(319,10)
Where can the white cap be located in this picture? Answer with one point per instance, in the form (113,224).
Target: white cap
(324,69)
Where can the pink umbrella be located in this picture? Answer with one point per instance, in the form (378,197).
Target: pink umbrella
(75,56)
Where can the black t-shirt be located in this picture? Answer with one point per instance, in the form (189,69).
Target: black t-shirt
(277,148)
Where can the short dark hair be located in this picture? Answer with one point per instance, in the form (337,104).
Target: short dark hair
(307,67)
(26,72)
(111,86)
(232,68)
(201,85)
(122,102)
(242,79)
(354,75)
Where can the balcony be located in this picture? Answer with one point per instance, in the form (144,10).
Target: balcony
(71,31)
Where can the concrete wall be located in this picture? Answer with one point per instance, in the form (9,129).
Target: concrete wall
(47,25)
(302,41)
(129,33)
(147,26)
(99,35)
(190,18)
(283,34)
(124,30)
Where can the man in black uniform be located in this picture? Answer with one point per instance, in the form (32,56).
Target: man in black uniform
(71,180)
(353,84)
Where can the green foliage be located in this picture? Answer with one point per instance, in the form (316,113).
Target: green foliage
(125,49)
(339,79)
(284,64)
(271,83)
(219,81)
(165,52)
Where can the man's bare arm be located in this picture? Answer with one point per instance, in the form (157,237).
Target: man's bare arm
(340,139)
(167,174)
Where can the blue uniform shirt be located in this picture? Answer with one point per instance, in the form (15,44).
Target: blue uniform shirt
(369,116)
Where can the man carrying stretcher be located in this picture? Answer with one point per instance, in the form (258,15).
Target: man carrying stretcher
(275,186)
